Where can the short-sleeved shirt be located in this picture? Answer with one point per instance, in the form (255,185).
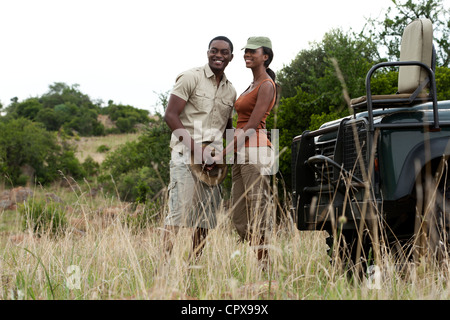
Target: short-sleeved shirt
(244,107)
(208,106)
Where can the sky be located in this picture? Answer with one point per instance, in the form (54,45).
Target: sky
(130,51)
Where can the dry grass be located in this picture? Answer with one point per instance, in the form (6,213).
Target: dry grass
(101,257)
(116,262)
(89,146)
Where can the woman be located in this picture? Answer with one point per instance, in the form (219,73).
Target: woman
(252,149)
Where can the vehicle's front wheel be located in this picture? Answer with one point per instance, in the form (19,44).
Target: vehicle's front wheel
(343,249)
(432,226)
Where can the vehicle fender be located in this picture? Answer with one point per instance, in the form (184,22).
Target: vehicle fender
(406,183)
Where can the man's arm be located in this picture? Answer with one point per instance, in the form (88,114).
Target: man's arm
(229,126)
(172,118)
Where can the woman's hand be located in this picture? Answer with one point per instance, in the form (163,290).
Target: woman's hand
(213,161)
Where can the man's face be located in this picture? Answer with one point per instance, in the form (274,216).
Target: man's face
(219,55)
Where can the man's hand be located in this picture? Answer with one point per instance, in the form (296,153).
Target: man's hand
(208,155)
(208,167)
(203,154)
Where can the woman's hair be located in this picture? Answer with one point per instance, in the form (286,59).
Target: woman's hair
(270,72)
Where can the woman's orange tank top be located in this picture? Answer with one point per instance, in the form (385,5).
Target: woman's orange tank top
(244,106)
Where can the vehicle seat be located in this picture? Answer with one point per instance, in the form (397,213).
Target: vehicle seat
(413,79)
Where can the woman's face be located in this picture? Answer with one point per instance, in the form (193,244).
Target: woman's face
(254,57)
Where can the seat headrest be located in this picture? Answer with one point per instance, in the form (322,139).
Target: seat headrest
(416,45)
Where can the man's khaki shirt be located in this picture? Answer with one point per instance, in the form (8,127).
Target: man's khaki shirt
(208,107)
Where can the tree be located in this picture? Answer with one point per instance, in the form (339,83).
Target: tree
(24,143)
(403,12)
(49,119)
(28,108)
(62,106)
(126,117)
(443,83)
(307,65)
(312,92)
(310,86)
(140,169)
(66,107)
(61,93)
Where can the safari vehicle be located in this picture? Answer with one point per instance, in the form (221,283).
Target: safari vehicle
(378,178)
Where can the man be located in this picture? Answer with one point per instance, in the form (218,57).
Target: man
(198,113)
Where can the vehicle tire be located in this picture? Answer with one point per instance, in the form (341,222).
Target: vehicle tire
(344,251)
(432,226)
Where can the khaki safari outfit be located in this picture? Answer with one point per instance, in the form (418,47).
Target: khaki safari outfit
(254,157)
(209,106)
(251,171)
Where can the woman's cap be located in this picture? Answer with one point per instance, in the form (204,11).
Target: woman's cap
(258,42)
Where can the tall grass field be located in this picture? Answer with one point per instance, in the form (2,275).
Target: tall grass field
(104,252)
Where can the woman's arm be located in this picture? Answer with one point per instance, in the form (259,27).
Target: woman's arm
(264,99)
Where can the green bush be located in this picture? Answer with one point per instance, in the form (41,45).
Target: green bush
(43,217)
(69,165)
(139,185)
(91,167)
(22,180)
(103,148)
(139,169)
(124,125)
(27,143)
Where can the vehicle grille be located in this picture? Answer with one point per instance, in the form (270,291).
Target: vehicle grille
(350,155)
(326,148)
(352,151)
